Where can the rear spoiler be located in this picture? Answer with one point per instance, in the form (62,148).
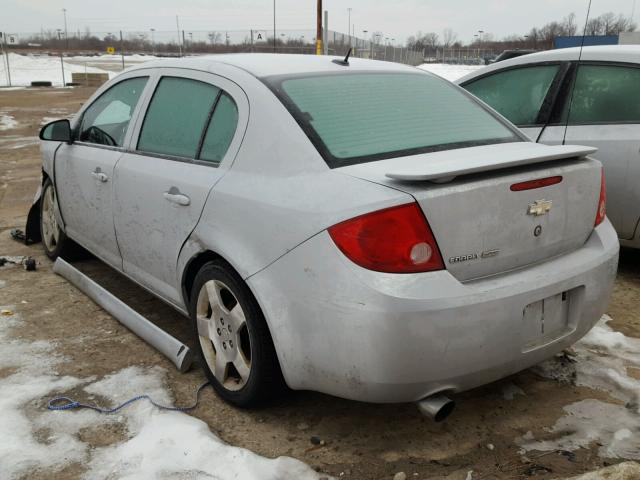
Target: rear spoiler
(441,167)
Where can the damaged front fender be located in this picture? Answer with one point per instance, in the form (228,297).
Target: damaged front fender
(32,228)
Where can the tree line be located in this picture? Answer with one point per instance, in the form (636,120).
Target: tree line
(537,38)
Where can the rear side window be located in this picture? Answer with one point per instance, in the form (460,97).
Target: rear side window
(221,130)
(606,94)
(516,94)
(359,117)
(106,120)
(177,116)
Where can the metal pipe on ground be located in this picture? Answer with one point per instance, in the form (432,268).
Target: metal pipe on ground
(169,346)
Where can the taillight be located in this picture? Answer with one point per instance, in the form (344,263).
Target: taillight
(602,201)
(393,240)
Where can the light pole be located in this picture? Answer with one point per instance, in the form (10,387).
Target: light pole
(153,40)
(66,36)
(61,60)
(349,25)
(274,26)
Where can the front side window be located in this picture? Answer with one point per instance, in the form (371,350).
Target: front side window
(176,117)
(517,94)
(360,117)
(105,122)
(606,94)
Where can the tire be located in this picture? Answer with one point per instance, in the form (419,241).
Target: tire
(54,241)
(237,352)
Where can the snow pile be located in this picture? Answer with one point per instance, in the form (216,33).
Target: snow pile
(449,72)
(604,360)
(159,444)
(7,122)
(27,68)
(32,376)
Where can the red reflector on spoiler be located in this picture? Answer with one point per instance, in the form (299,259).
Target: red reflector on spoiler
(539,183)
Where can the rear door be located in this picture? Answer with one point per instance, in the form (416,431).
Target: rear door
(605,113)
(524,94)
(183,144)
(84,169)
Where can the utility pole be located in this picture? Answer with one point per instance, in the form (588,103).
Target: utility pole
(349,25)
(61,60)
(319,49)
(179,43)
(122,49)
(325,33)
(153,41)
(66,35)
(5,54)
(274,26)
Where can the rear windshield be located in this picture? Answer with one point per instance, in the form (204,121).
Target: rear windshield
(360,117)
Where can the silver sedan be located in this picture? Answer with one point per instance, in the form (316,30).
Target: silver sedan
(359,228)
(555,101)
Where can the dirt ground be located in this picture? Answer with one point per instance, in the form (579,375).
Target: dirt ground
(362,441)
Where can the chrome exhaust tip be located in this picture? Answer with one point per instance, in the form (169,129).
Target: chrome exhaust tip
(437,407)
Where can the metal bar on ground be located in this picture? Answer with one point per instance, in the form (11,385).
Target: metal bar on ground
(169,346)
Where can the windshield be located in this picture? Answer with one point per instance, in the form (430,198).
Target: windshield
(360,117)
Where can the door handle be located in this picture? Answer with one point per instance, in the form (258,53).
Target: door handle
(100,175)
(174,196)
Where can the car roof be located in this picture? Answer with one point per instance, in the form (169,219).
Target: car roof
(268,64)
(609,53)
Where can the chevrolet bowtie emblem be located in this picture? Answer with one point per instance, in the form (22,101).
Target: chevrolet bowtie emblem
(539,207)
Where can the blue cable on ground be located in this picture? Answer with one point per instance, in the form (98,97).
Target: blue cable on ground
(66,403)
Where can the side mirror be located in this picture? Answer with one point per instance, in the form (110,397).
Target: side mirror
(58,131)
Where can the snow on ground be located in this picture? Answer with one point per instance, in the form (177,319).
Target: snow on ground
(7,122)
(27,68)
(159,444)
(449,72)
(604,360)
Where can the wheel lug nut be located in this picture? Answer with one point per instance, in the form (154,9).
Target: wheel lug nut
(222,321)
(229,328)
(219,332)
(224,345)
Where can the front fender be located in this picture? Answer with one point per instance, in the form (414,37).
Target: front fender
(32,228)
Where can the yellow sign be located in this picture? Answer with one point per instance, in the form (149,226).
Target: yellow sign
(111,50)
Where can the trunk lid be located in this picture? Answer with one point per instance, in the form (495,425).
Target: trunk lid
(483,227)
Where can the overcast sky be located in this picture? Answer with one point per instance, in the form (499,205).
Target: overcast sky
(399,18)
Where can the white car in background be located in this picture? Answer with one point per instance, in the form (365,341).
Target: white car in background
(362,228)
(534,92)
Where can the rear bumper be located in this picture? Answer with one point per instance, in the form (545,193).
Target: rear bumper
(377,337)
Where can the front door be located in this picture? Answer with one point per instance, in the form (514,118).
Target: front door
(185,143)
(84,170)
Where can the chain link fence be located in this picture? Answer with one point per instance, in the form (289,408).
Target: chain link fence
(115,50)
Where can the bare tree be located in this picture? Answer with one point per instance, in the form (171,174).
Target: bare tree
(449,37)
(610,24)
(430,39)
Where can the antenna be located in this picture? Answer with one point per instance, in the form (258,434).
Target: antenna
(573,87)
(345,62)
